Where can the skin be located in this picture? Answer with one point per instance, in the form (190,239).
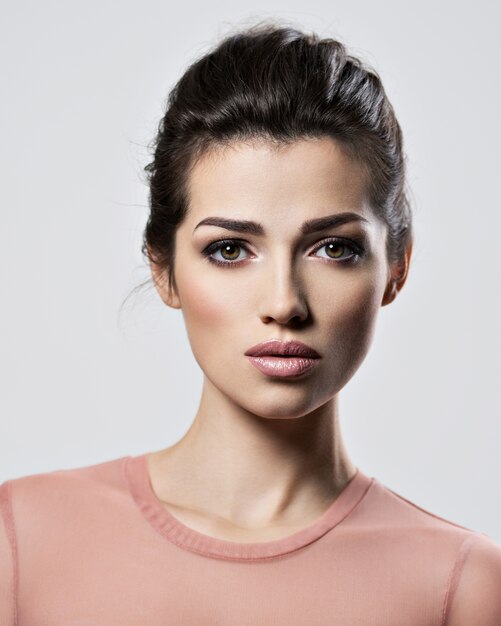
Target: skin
(265,457)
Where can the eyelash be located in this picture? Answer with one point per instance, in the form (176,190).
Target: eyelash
(357,250)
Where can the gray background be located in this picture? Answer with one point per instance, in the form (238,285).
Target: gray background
(84,85)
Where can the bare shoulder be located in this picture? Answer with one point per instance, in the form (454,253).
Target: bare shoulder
(474,595)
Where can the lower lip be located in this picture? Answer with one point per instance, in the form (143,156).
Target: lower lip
(283,367)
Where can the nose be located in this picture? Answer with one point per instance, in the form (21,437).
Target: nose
(282,297)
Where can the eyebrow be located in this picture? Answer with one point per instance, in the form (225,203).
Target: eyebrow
(308,227)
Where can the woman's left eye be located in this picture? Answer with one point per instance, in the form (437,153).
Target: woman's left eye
(335,249)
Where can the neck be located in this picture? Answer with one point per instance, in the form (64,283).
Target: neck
(254,471)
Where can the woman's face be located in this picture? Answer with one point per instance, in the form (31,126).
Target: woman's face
(279,279)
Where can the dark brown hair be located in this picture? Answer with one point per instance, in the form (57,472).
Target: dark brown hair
(280,84)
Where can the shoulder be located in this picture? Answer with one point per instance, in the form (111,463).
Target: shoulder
(465,563)
(474,592)
(38,511)
(401,513)
(103,472)
(412,530)
(47,493)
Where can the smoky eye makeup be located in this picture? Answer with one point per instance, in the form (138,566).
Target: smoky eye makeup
(339,250)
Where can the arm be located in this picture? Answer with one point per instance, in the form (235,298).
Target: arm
(7,559)
(475,592)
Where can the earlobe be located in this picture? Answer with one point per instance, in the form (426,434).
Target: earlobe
(390,293)
(169,295)
(165,290)
(398,276)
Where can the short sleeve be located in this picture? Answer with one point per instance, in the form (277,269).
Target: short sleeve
(7,555)
(475,594)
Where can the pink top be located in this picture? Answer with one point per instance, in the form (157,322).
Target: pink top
(94,546)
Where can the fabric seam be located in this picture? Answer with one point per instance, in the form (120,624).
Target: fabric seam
(8,517)
(455,575)
(263,558)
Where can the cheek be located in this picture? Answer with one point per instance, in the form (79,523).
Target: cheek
(349,312)
(211,306)
(354,304)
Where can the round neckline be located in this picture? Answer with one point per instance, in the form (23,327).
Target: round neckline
(177,532)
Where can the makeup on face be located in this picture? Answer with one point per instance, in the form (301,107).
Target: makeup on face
(284,359)
(283,367)
(230,252)
(227,252)
(308,266)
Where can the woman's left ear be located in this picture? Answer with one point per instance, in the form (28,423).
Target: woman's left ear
(398,276)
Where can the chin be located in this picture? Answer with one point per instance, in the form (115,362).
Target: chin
(280,402)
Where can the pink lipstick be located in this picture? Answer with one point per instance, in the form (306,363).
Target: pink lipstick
(284,359)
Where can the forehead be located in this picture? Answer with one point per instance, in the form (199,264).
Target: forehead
(306,178)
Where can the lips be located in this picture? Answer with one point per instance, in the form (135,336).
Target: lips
(274,347)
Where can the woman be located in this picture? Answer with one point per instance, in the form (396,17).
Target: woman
(279,226)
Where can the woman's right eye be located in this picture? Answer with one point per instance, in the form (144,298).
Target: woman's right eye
(229,250)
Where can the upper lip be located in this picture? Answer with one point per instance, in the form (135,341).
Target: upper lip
(275,347)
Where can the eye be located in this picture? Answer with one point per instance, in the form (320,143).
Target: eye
(336,248)
(228,248)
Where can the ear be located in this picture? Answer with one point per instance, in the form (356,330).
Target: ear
(165,290)
(398,276)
